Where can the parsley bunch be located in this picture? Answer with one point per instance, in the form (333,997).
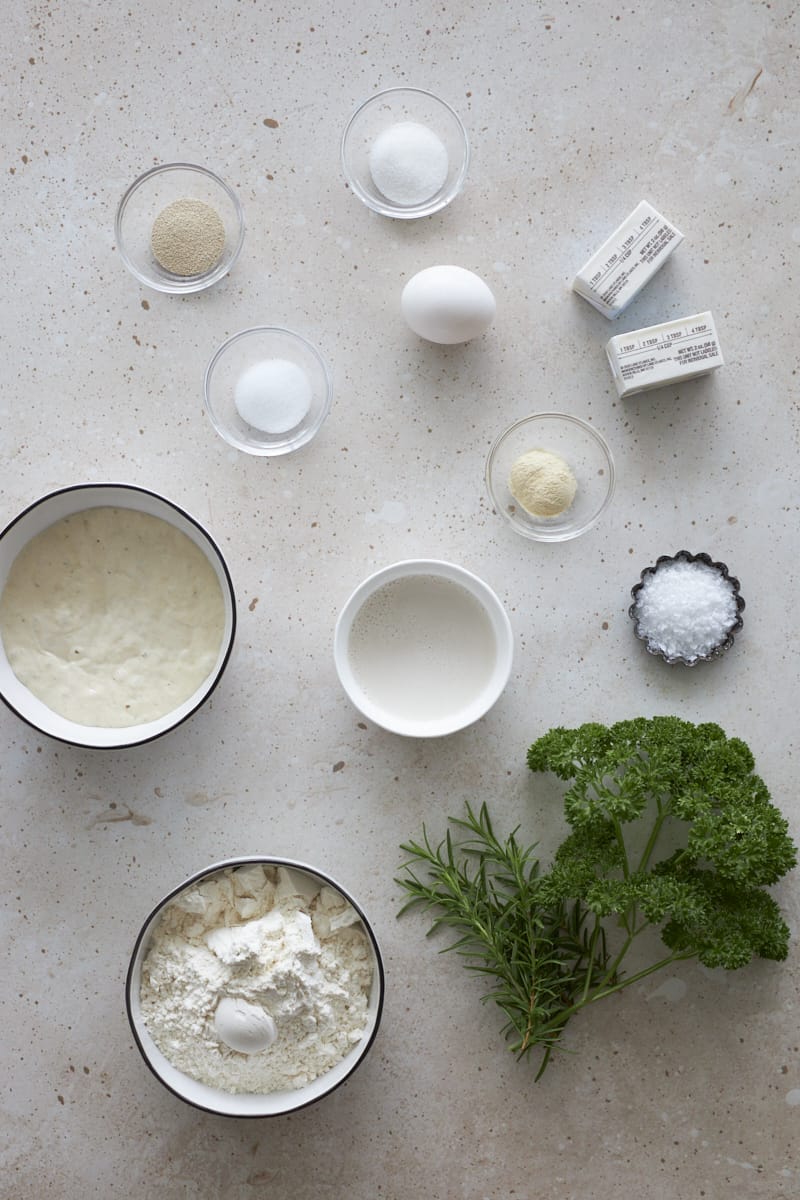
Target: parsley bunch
(541,937)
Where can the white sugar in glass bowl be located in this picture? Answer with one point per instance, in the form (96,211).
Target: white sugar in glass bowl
(585,452)
(241,354)
(423,648)
(246,1104)
(68,502)
(380,114)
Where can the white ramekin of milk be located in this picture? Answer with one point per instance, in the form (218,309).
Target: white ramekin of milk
(423,648)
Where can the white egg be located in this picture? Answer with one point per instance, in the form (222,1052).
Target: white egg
(447,305)
(244,1027)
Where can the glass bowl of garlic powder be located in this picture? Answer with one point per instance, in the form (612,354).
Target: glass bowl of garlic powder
(179,228)
(550,476)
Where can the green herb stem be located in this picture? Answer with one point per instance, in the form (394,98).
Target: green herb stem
(604,991)
(644,862)
(539,937)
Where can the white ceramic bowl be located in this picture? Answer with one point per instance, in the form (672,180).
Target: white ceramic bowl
(461,714)
(231,1104)
(64,503)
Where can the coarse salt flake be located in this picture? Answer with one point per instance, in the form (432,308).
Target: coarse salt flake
(685,609)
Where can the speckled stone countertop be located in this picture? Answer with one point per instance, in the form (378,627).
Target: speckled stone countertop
(688,1085)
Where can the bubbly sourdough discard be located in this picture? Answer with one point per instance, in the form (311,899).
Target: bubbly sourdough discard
(112,617)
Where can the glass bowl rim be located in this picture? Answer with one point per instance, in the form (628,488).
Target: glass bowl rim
(388,209)
(223,266)
(586,427)
(267,451)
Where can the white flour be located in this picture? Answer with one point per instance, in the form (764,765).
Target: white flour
(273,939)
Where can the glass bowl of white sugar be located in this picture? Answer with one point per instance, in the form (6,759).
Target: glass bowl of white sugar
(267,390)
(423,648)
(255,987)
(405,153)
(179,228)
(686,608)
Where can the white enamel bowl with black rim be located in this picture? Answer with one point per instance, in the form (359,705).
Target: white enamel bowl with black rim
(246,1104)
(65,503)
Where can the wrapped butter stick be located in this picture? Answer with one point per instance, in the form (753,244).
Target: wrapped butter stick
(627,260)
(664,355)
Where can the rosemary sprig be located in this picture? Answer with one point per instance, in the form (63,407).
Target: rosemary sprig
(539,937)
(539,953)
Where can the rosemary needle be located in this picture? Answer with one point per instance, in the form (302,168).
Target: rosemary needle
(539,937)
(536,954)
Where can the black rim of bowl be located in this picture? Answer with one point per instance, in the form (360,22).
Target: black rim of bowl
(132,487)
(225,864)
(727,641)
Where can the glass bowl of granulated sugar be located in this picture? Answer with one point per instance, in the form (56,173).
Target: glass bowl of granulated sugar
(267,390)
(179,228)
(405,153)
(255,987)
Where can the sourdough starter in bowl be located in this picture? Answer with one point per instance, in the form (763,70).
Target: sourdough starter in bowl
(112,617)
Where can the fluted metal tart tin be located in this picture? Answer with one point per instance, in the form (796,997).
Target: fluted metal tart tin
(724,644)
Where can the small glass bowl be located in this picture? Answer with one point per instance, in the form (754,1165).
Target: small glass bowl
(586,453)
(727,640)
(244,350)
(148,196)
(386,109)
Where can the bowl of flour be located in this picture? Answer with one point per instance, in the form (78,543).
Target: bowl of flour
(117,615)
(255,988)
